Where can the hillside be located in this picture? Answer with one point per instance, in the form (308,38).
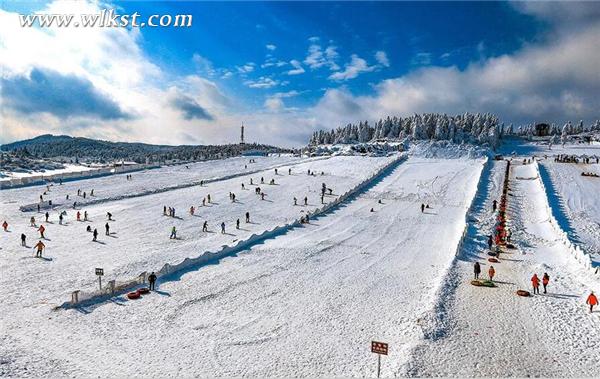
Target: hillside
(50,146)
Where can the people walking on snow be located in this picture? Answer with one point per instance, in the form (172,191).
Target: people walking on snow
(262,195)
(47,215)
(545,281)
(41,229)
(237,223)
(23,239)
(422,207)
(78,216)
(203,201)
(95,235)
(491,272)
(243,187)
(305,200)
(109,215)
(192,210)
(205,226)
(295,201)
(208,197)
(535,281)
(88,228)
(592,300)
(107,228)
(247,217)
(152,280)
(262,180)
(173,233)
(164,210)
(60,219)
(85,218)
(289,171)
(5,226)
(32,221)
(275,171)
(223,227)
(39,248)
(476,270)
(490,242)
(494,205)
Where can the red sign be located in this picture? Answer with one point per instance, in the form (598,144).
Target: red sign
(379,348)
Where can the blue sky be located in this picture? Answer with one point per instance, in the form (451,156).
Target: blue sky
(286,69)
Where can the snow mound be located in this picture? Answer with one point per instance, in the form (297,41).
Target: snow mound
(446,150)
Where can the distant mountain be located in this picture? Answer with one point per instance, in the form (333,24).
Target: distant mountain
(51,146)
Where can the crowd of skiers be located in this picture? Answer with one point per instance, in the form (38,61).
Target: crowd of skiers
(565,158)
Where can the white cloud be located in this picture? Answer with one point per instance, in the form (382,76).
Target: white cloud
(246,68)
(382,58)
(297,68)
(274,104)
(263,82)
(356,66)
(421,59)
(271,47)
(317,58)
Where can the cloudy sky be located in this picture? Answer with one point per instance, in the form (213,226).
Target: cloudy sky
(287,69)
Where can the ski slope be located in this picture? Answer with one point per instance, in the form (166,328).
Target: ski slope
(576,200)
(304,303)
(490,332)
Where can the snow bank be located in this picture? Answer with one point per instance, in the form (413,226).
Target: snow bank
(115,287)
(577,252)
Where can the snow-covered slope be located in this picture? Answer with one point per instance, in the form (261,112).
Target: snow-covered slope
(305,303)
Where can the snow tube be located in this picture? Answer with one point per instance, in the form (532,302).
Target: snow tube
(133,295)
(482,283)
(510,246)
(143,290)
(493,260)
(491,254)
(523,293)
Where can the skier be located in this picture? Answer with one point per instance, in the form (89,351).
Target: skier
(275,171)
(262,180)
(372,210)
(305,200)
(92,192)
(422,208)
(84,194)
(88,229)
(494,205)
(152,280)
(5,226)
(237,223)
(251,181)
(535,281)
(243,187)
(38,208)
(247,217)
(47,215)
(173,233)
(109,215)
(23,238)
(208,197)
(545,281)
(476,270)
(95,235)
(262,195)
(60,218)
(78,216)
(107,227)
(223,227)
(591,301)
(205,226)
(164,210)
(322,199)
(289,171)
(41,229)
(491,272)
(203,201)
(41,199)
(490,242)
(85,216)
(67,197)
(192,210)
(295,201)
(233,197)
(32,221)
(39,248)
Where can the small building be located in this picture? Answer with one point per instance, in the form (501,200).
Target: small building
(542,130)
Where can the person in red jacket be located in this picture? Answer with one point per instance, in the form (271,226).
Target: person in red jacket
(41,229)
(545,280)
(5,226)
(535,281)
(591,301)
(492,272)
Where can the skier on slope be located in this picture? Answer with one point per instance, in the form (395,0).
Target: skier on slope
(545,281)
(109,216)
(32,221)
(85,218)
(422,207)
(39,248)
(494,205)
(60,218)
(173,233)
(592,300)
(41,229)
(237,223)
(205,226)
(95,235)
(107,227)
(490,242)
(476,270)
(305,200)
(23,239)
(5,226)
(152,280)
(247,217)
(223,227)
(192,210)
(47,215)
(491,272)
(78,216)
(535,282)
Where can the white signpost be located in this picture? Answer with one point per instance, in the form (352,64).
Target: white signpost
(99,273)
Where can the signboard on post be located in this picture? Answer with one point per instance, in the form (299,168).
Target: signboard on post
(379,348)
(99,273)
